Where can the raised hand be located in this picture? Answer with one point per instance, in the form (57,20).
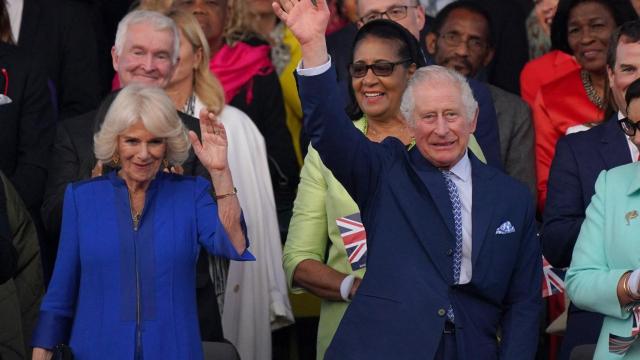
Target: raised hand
(308,23)
(212,151)
(97,170)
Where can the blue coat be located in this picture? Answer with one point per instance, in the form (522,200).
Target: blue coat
(105,270)
(578,160)
(399,309)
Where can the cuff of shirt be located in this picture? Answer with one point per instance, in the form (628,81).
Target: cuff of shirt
(313,71)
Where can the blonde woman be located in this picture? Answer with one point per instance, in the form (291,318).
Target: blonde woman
(262,284)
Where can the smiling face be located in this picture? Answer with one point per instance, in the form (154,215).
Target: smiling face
(140,154)
(589,27)
(379,96)
(145,57)
(625,71)
(441,129)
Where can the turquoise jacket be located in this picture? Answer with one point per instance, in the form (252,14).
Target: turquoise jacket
(607,247)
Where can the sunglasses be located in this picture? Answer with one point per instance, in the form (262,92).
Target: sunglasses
(382,68)
(628,126)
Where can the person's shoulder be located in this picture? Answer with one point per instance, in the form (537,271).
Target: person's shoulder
(499,94)
(622,172)
(586,138)
(498,180)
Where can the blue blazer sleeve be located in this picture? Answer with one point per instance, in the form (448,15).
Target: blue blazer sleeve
(211,233)
(564,212)
(354,160)
(58,307)
(523,302)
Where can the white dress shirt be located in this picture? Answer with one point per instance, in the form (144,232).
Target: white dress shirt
(14,9)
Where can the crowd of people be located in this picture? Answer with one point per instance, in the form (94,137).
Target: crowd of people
(330,179)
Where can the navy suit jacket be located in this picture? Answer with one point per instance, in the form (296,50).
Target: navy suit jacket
(578,160)
(399,309)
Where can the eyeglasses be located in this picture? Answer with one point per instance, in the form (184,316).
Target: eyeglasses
(382,68)
(395,13)
(628,126)
(454,39)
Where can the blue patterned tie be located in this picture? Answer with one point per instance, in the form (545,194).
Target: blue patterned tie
(457,218)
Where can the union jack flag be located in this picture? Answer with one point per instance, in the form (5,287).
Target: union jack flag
(553,282)
(355,239)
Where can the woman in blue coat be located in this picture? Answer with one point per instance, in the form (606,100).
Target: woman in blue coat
(124,282)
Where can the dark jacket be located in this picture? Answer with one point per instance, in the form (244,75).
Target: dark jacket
(20,296)
(27,125)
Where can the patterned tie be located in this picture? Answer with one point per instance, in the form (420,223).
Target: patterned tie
(457,218)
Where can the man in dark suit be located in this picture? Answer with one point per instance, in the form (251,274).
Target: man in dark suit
(462,39)
(145,52)
(578,160)
(413,19)
(447,264)
(60,37)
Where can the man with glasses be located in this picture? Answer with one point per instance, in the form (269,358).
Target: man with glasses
(461,39)
(578,160)
(410,14)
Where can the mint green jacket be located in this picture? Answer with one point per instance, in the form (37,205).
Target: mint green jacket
(607,247)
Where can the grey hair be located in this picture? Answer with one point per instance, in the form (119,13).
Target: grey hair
(158,115)
(153,18)
(436,74)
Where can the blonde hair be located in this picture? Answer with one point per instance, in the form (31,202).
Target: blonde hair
(206,86)
(239,27)
(158,115)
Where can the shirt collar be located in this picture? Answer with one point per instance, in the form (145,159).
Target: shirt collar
(462,169)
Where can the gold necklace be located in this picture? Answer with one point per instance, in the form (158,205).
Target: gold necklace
(592,94)
(135,215)
(365,130)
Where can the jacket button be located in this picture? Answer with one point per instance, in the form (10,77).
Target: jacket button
(441,312)
(449,252)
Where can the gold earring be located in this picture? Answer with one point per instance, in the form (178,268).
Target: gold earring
(165,163)
(115,159)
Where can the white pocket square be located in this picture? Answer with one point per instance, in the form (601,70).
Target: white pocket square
(505,228)
(4,99)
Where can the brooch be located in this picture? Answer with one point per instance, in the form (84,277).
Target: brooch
(630,215)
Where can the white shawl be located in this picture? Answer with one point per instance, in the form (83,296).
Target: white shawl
(256,299)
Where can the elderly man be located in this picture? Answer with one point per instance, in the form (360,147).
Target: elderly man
(145,52)
(461,39)
(410,14)
(578,160)
(448,263)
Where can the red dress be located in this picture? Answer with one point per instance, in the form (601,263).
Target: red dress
(559,105)
(543,70)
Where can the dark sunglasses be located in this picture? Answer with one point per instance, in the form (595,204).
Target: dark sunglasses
(382,68)
(628,126)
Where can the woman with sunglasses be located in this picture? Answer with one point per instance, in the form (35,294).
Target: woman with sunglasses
(604,276)
(384,57)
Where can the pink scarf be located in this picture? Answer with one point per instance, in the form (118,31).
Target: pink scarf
(236,66)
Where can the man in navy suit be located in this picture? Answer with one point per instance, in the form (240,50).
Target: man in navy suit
(452,247)
(578,160)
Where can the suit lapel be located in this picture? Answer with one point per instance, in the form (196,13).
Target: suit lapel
(613,145)
(432,179)
(481,209)
(29,25)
